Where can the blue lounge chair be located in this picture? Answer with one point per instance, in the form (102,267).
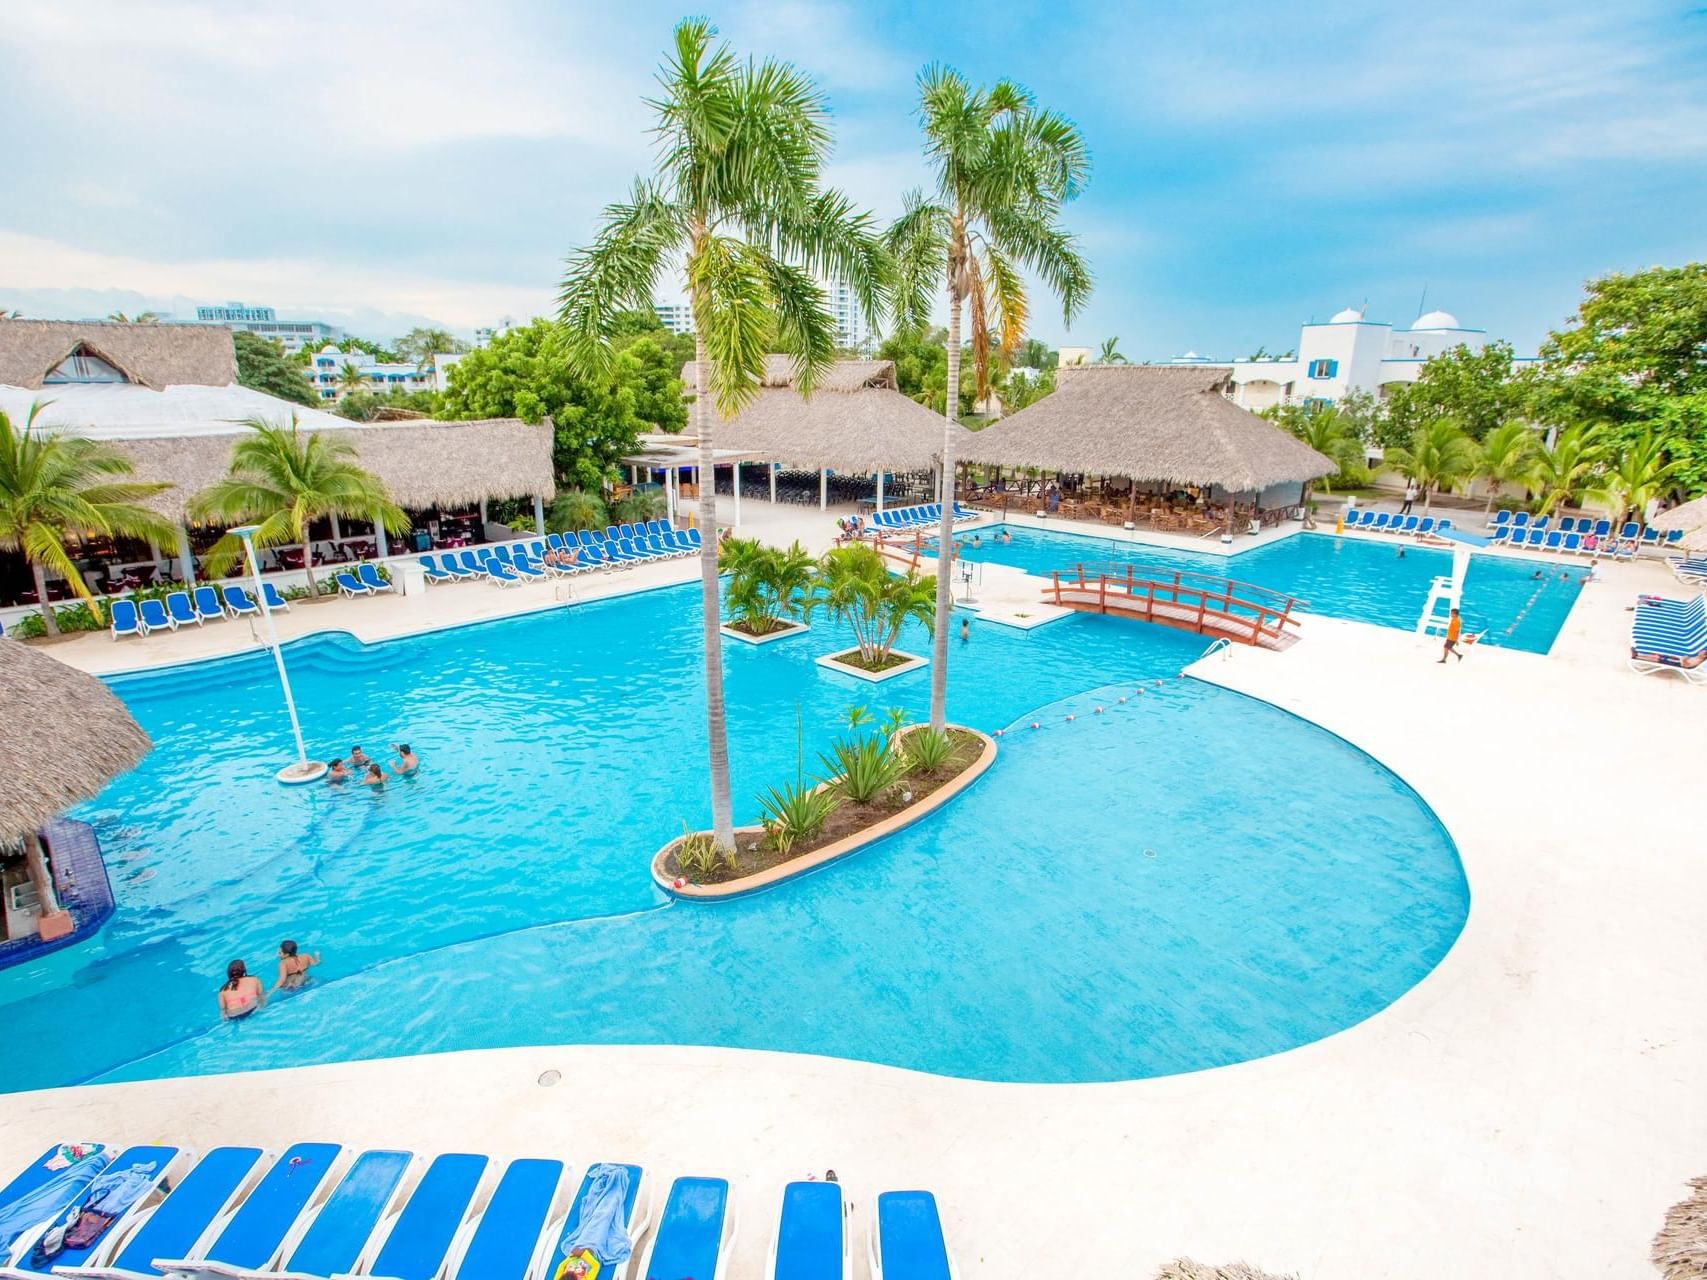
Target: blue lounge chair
(141,1171)
(1536,536)
(1377,522)
(1442,524)
(473,563)
(239,603)
(811,1234)
(906,1238)
(695,1232)
(1499,535)
(1520,520)
(694,540)
(370,578)
(636,1213)
(502,574)
(1410,525)
(190,1214)
(38,1179)
(416,1241)
(1555,540)
(182,611)
(1541,522)
(1688,569)
(1670,635)
(1501,520)
(1574,543)
(155,617)
(350,586)
(1425,526)
(433,572)
(333,1241)
(253,1237)
(511,1241)
(275,602)
(126,622)
(208,607)
(526,568)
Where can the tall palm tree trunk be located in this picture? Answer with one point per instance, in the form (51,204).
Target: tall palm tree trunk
(945,526)
(47,619)
(308,564)
(716,723)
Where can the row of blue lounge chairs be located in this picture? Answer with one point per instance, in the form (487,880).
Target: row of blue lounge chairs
(925,513)
(1385,522)
(1518,530)
(509,563)
(1670,635)
(317,1211)
(1690,570)
(184,608)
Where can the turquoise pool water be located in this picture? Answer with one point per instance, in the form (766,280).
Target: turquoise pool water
(1354,578)
(1188,879)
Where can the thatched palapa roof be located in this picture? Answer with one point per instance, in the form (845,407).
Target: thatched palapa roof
(422,464)
(63,736)
(150,355)
(1680,1249)
(856,421)
(1690,515)
(1162,423)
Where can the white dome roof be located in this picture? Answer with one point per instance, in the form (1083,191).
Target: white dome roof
(1351,315)
(1436,320)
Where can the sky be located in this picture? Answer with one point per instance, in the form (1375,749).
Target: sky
(382,164)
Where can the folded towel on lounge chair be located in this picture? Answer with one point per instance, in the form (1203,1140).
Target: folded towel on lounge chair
(48,1199)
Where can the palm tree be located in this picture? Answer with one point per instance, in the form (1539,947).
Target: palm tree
(1003,170)
(1635,476)
(1507,457)
(736,204)
(141,317)
(576,509)
(52,486)
(352,380)
(282,480)
(1110,353)
(1441,454)
(854,585)
(1326,432)
(1562,470)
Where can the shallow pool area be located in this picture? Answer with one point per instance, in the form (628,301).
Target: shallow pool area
(1183,879)
(1515,603)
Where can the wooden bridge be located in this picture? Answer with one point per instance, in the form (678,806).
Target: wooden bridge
(1240,611)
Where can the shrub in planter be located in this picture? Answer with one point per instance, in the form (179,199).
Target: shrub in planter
(854,585)
(767,585)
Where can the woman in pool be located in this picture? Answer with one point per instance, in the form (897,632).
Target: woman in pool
(293,968)
(242,993)
(375,776)
(406,762)
(338,771)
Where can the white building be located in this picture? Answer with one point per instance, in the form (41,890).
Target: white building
(841,301)
(292,335)
(326,372)
(1349,353)
(677,317)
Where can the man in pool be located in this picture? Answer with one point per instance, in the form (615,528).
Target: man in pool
(1007,536)
(406,762)
(337,771)
(965,629)
(1454,627)
(359,759)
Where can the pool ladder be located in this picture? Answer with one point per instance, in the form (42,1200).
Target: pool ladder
(1219,645)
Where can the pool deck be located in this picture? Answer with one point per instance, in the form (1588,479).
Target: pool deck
(1530,1109)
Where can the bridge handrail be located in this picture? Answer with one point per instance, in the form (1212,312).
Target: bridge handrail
(1183,587)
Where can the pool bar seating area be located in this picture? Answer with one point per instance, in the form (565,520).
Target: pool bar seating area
(320,1210)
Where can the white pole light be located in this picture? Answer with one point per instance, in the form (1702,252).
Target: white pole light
(304,770)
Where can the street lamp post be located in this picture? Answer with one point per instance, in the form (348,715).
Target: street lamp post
(304,770)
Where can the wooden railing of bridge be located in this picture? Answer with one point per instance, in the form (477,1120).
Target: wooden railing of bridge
(1199,602)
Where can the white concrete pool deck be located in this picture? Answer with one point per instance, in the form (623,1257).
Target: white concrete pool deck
(1530,1109)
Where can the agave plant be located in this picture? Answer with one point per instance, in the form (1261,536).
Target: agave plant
(930,750)
(794,812)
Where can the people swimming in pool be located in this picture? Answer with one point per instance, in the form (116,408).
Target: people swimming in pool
(338,771)
(242,993)
(359,759)
(375,776)
(406,762)
(293,966)
(977,540)
(1007,536)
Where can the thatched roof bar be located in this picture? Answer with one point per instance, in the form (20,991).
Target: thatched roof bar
(63,736)
(1152,423)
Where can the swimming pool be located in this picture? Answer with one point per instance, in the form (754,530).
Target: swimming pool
(1188,879)
(1354,578)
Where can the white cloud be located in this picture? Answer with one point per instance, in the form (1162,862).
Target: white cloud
(294,286)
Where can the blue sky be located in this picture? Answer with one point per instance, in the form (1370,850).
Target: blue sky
(1254,165)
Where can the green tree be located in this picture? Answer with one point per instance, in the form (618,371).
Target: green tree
(1440,455)
(1475,389)
(596,416)
(419,346)
(1110,353)
(766,584)
(1033,354)
(1634,476)
(1329,433)
(1003,170)
(282,480)
(262,366)
(365,406)
(854,586)
(736,201)
(141,317)
(384,354)
(576,509)
(1507,457)
(353,381)
(1563,469)
(52,486)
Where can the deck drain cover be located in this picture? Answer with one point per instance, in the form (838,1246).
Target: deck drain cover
(549,1078)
